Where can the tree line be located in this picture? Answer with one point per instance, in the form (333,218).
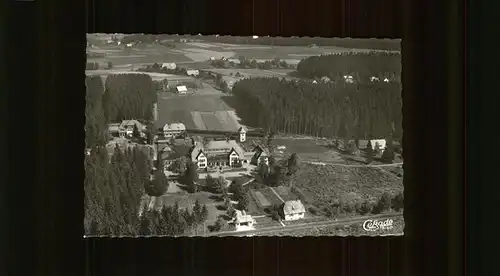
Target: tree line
(122,97)
(114,187)
(113,190)
(362,66)
(129,96)
(363,110)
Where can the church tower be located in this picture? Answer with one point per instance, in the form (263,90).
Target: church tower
(243,134)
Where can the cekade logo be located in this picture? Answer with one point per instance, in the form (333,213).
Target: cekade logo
(374,225)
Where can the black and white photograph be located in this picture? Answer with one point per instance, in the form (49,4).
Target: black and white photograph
(202,136)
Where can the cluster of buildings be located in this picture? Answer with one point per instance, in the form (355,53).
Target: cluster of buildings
(289,211)
(209,153)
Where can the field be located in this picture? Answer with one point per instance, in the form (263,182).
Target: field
(265,197)
(197,112)
(307,149)
(285,193)
(252,73)
(325,184)
(155,76)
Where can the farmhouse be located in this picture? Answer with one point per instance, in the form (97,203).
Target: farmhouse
(293,210)
(193,72)
(173,130)
(181,89)
(126,128)
(170,66)
(242,221)
(261,154)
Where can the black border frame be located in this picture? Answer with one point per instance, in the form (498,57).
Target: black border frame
(433,122)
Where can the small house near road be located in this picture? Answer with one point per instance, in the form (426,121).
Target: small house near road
(242,221)
(171,66)
(193,73)
(181,89)
(293,210)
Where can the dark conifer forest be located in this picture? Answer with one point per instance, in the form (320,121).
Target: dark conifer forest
(361,66)
(115,182)
(333,109)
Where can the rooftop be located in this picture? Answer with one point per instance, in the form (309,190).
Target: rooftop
(174,127)
(242,217)
(293,207)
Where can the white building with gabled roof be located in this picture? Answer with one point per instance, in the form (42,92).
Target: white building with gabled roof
(181,89)
(293,210)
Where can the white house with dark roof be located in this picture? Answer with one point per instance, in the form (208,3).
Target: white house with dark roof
(128,125)
(293,210)
(126,128)
(261,155)
(173,130)
(225,153)
(242,221)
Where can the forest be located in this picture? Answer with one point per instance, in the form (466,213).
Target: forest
(361,66)
(129,96)
(115,185)
(329,109)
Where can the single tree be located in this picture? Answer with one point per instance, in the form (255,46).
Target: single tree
(221,187)
(159,183)
(263,172)
(236,189)
(293,164)
(110,65)
(353,149)
(191,174)
(220,225)
(136,133)
(369,152)
(384,203)
(197,211)
(210,183)
(204,213)
(398,202)
(388,155)
(243,203)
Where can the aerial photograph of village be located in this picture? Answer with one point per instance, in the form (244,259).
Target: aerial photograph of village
(194,135)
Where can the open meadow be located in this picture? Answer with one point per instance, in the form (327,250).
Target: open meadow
(323,185)
(197,112)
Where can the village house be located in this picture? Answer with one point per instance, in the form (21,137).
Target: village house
(126,128)
(213,154)
(168,154)
(173,130)
(260,155)
(293,210)
(193,73)
(181,89)
(242,221)
(171,66)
